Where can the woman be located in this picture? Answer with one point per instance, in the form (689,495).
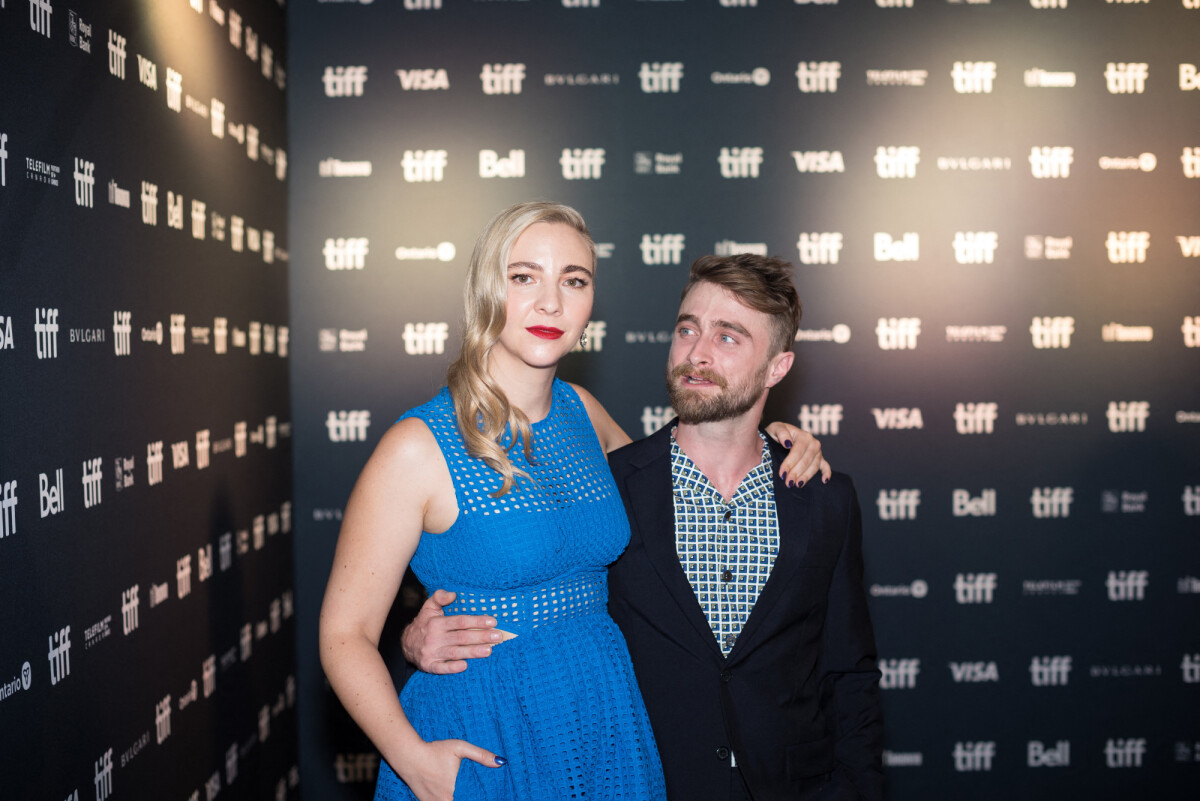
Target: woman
(504,471)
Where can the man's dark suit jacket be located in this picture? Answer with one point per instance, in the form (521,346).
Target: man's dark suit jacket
(797,699)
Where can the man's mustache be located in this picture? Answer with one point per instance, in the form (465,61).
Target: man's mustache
(688,369)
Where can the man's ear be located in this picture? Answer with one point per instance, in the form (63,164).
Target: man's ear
(780,365)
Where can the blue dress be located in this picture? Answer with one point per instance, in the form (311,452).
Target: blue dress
(560,701)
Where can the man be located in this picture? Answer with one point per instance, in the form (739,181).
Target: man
(741,598)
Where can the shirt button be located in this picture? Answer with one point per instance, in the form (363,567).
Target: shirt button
(727,575)
(726,676)
(728,514)
(722,753)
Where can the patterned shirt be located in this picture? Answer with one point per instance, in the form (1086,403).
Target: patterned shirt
(727,549)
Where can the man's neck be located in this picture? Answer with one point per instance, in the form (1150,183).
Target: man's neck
(725,451)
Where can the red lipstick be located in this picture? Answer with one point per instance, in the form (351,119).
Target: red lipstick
(544,331)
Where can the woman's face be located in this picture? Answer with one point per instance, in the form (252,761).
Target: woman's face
(550,294)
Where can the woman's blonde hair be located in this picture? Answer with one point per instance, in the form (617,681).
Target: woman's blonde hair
(483,411)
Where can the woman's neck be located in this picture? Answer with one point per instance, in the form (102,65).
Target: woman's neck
(529,389)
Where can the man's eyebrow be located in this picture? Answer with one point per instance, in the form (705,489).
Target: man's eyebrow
(732,326)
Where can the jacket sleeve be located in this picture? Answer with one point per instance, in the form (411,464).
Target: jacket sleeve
(849,675)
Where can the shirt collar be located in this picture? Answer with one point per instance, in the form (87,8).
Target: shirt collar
(688,481)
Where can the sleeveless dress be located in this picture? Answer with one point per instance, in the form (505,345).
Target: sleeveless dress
(559,701)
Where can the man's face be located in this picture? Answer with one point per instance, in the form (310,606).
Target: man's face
(720,363)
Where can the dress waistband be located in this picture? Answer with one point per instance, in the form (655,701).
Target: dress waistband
(521,611)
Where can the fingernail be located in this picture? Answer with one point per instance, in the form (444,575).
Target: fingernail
(787,443)
(491,621)
(801,484)
(789,483)
(501,761)
(494,636)
(785,475)
(824,481)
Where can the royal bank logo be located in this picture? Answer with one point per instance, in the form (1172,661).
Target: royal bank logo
(917,589)
(898,333)
(892,759)
(740,162)
(1052,332)
(899,674)
(502,79)
(1127,585)
(79,32)
(93,475)
(344,81)
(493,165)
(336,168)
(1038,246)
(1127,416)
(973,757)
(974,672)
(1124,753)
(818,76)
(85,183)
(819,247)
(154,463)
(819,161)
(1115,332)
(346,253)
(821,420)
(147,72)
(973,77)
(1051,162)
(662,248)
(1127,247)
(1037,78)
(659,77)
(975,247)
(963,504)
(424,166)
(117,196)
(443,251)
(1051,502)
(906,248)
(425,339)
(1190,159)
(901,419)
(1050,671)
(174,90)
(45,332)
(647,162)
(654,417)
(1126,78)
(898,504)
(976,333)
(897,77)
(123,471)
(346,341)
(39,16)
(974,588)
(59,655)
(582,164)
(897,162)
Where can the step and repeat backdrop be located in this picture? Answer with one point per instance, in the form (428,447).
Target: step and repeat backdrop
(993,212)
(146,515)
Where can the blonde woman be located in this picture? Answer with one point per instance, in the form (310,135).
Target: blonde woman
(497,489)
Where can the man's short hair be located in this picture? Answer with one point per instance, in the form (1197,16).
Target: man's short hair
(760,282)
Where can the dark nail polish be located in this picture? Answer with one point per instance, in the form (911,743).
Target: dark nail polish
(787,443)
(801,484)
(784,475)
(501,761)
(824,481)
(789,483)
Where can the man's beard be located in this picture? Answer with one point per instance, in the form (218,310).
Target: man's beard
(698,406)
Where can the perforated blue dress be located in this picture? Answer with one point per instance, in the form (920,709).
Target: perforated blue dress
(560,701)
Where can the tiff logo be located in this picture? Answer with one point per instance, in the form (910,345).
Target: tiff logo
(502,79)
(237,233)
(122,332)
(1127,416)
(59,655)
(217,114)
(662,248)
(1038,755)
(174,90)
(347,253)
(220,335)
(661,77)
(239,439)
(1124,753)
(972,757)
(8,509)
(178,333)
(39,16)
(655,417)
(147,72)
(581,163)
(209,673)
(975,247)
(1190,668)
(1127,247)
(821,420)
(974,588)
(1189,246)
(899,674)
(102,776)
(1191,500)
(3,159)
(1190,159)
(162,719)
(129,609)
(973,77)
(424,339)
(45,329)
(1051,162)
(116,54)
(819,247)
(149,203)
(85,182)
(897,162)
(421,166)
(225,551)
(154,463)
(348,426)
(906,248)
(51,500)
(898,504)
(1126,79)
(174,210)
(198,218)
(344,81)
(204,563)
(1052,332)
(1050,671)
(593,337)
(898,333)
(975,418)
(1052,501)
(356,768)
(818,76)
(493,165)
(93,474)
(1127,585)
(740,162)
(203,449)
(183,576)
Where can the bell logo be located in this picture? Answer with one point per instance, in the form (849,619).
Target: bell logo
(899,674)
(740,162)
(502,79)
(820,161)
(1191,501)
(662,248)
(659,77)
(1124,753)
(1127,585)
(819,248)
(492,165)
(175,211)
(821,420)
(818,76)
(974,672)
(423,80)
(424,339)
(975,418)
(897,162)
(422,166)
(50,496)
(1038,755)
(1124,79)
(1127,247)
(1127,416)
(898,504)
(1052,502)
(582,163)
(972,757)
(907,248)
(1190,667)
(1052,332)
(655,417)
(1050,671)
(1051,162)
(898,333)
(1190,159)
(893,419)
(963,505)
(974,588)
(973,77)
(975,247)
(344,81)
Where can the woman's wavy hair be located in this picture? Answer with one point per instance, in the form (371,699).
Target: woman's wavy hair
(483,411)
